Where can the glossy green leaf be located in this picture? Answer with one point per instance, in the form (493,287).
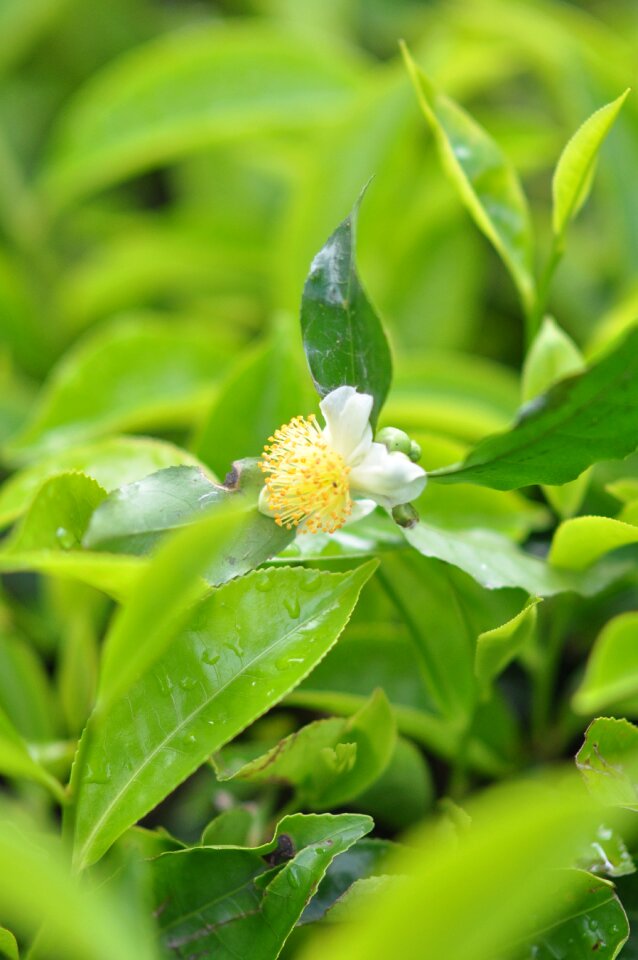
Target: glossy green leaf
(445,612)
(607,854)
(17,762)
(608,760)
(215,85)
(581,541)
(328,762)
(591,922)
(245,646)
(573,174)
(8,945)
(612,668)
(563,431)
(58,516)
(495,562)
(343,337)
(113,462)
(230,902)
(497,647)
(132,375)
(492,882)
(37,889)
(485,180)
(265,390)
(552,356)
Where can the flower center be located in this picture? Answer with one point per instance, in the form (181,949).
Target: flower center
(306,480)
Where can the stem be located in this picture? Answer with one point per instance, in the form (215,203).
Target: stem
(535,315)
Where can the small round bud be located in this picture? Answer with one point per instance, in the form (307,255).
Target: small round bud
(394,440)
(405,515)
(415,451)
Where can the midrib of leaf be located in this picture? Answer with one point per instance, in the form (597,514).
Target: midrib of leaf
(191,716)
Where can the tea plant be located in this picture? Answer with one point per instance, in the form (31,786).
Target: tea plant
(318,619)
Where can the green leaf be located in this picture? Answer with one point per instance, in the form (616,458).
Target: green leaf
(612,668)
(22,24)
(592,922)
(581,541)
(608,760)
(246,645)
(471,895)
(115,575)
(8,945)
(231,828)
(113,462)
(343,337)
(25,692)
(58,516)
(497,647)
(485,180)
(495,562)
(552,356)
(265,390)
(565,430)
(365,858)
(38,895)
(215,84)
(574,172)
(131,375)
(17,762)
(228,903)
(328,762)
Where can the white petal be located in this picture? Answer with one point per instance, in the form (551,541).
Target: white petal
(347,430)
(388,478)
(360,509)
(263,504)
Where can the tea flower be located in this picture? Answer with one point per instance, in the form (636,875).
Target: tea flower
(319,479)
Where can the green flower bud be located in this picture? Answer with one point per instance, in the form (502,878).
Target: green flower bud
(405,515)
(394,440)
(415,451)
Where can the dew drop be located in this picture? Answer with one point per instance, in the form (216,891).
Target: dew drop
(264,583)
(187,683)
(97,774)
(293,877)
(188,741)
(234,647)
(65,538)
(311,582)
(210,657)
(292,606)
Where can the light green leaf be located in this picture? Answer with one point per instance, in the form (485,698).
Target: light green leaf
(8,945)
(328,762)
(115,575)
(215,85)
(227,902)
(25,692)
(612,668)
(563,431)
(495,562)
(113,462)
(581,541)
(608,760)
(37,889)
(58,516)
(486,181)
(592,922)
(625,489)
(498,647)
(574,172)
(245,646)
(131,375)
(492,882)
(17,762)
(232,827)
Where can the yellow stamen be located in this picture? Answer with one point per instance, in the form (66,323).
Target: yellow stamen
(307,481)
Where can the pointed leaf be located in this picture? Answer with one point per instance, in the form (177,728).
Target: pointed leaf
(563,431)
(612,669)
(343,337)
(498,647)
(485,180)
(244,647)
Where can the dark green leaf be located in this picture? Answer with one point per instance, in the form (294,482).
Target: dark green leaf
(563,431)
(234,902)
(343,337)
